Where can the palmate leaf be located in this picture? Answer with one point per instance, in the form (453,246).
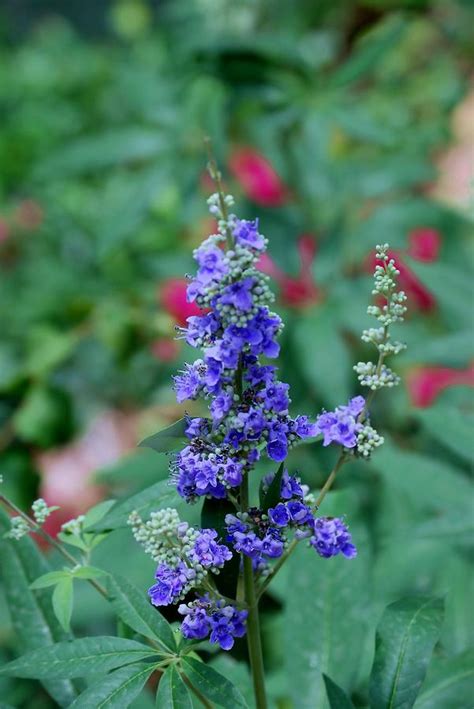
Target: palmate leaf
(172,692)
(132,607)
(405,639)
(115,691)
(213,685)
(168,439)
(78,658)
(33,619)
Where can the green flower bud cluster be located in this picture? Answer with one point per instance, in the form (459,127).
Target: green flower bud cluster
(367,441)
(368,375)
(73,526)
(19,528)
(41,511)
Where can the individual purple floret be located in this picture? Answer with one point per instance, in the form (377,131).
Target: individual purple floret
(331,537)
(170,583)
(188,383)
(207,552)
(246,234)
(341,425)
(223,622)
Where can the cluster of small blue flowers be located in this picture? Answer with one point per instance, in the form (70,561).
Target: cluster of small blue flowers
(341,426)
(205,617)
(184,555)
(263,536)
(248,405)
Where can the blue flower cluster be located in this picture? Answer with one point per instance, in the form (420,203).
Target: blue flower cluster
(331,537)
(341,426)
(248,405)
(204,617)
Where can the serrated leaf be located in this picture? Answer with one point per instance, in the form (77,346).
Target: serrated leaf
(168,439)
(50,579)
(132,606)
(405,638)
(62,602)
(273,495)
(115,691)
(449,683)
(33,619)
(96,513)
(213,685)
(155,497)
(337,698)
(78,658)
(172,692)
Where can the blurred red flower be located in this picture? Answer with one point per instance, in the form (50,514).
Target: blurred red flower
(426,383)
(172,298)
(424,244)
(300,291)
(257,178)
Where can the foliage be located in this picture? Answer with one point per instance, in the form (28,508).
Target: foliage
(102,158)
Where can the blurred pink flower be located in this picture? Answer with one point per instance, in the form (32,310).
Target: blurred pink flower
(424,244)
(300,291)
(67,472)
(29,214)
(172,298)
(426,383)
(258,178)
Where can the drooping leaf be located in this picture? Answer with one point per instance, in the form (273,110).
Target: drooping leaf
(32,615)
(168,439)
(133,608)
(405,639)
(63,601)
(337,697)
(155,497)
(115,691)
(172,692)
(213,685)
(449,683)
(78,658)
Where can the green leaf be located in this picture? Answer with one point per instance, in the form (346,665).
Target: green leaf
(115,691)
(454,290)
(78,658)
(454,350)
(33,619)
(133,608)
(405,638)
(338,699)
(96,513)
(273,495)
(62,602)
(213,685)
(329,631)
(168,439)
(50,579)
(213,515)
(172,692)
(88,572)
(450,427)
(317,345)
(155,497)
(449,683)
(73,540)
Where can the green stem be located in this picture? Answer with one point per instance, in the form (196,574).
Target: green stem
(254,641)
(216,176)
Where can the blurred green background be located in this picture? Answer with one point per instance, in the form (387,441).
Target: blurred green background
(339,124)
